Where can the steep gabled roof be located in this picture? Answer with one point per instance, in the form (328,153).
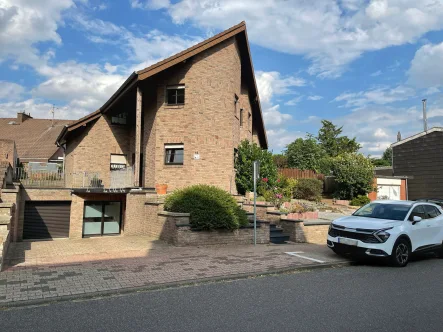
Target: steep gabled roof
(237,30)
(34,138)
(423,133)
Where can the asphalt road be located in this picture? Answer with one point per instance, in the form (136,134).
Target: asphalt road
(356,298)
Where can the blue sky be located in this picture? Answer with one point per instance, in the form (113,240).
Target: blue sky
(363,64)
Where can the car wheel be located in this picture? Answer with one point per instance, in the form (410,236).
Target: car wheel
(400,253)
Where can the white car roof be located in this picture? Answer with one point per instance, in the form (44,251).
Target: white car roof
(408,203)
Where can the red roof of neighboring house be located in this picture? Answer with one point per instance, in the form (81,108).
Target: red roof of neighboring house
(34,138)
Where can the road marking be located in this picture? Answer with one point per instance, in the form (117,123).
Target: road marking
(296,253)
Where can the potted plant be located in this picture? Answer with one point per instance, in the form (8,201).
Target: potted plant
(161,188)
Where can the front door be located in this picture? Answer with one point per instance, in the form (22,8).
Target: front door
(101,218)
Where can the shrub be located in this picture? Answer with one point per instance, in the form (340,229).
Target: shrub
(278,192)
(210,207)
(354,174)
(309,189)
(360,200)
(247,153)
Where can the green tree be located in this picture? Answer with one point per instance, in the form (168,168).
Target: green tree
(354,174)
(387,155)
(304,153)
(332,143)
(280,160)
(380,162)
(247,153)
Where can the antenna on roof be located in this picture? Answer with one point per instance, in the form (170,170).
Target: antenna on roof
(53,113)
(425,119)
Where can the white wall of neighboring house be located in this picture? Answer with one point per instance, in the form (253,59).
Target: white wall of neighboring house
(388,188)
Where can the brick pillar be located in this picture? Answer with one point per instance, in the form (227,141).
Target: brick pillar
(138,137)
(76,221)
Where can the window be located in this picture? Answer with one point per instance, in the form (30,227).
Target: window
(241,117)
(118,161)
(417,212)
(174,154)
(101,218)
(431,212)
(249,120)
(119,118)
(175,95)
(235,104)
(383,211)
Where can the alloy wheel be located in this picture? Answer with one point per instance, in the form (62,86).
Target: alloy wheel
(402,253)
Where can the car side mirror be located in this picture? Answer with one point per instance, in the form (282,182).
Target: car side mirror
(416,219)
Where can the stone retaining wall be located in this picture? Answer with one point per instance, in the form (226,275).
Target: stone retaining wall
(175,228)
(6,212)
(305,231)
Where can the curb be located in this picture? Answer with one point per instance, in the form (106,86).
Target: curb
(169,285)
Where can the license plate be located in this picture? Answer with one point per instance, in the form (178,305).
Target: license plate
(349,242)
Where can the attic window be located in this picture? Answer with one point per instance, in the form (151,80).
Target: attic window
(12,123)
(119,118)
(175,94)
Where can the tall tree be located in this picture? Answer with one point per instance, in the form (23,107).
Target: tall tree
(387,155)
(280,160)
(304,153)
(332,143)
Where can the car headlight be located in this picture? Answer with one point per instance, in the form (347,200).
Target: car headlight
(382,236)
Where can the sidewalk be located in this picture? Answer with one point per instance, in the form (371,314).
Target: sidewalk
(41,270)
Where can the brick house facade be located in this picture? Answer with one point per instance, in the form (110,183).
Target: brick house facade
(177,122)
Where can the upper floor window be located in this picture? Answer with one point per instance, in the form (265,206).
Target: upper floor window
(118,161)
(119,118)
(249,120)
(235,104)
(241,117)
(175,94)
(174,154)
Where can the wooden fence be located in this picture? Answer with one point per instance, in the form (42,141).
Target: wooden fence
(301,174)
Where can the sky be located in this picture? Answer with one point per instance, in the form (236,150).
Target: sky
(362,64)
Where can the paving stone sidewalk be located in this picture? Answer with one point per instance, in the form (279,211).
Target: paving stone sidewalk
(40,270)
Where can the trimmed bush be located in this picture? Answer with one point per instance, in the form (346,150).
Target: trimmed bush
(360,200)
(309,189)
(210,207)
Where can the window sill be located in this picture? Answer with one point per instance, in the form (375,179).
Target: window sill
(173,165)
(167,106)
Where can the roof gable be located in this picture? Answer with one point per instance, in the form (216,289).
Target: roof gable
(238,30)
(423,133)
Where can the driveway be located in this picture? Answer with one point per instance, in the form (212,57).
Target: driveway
(39,270)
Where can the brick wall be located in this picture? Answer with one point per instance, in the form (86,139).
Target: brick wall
(136,221)
(6,212)
(8,152)
(305,232)
(91,150)
(261,210)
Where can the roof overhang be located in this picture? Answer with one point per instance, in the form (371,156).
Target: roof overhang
(423,133)
(135,77)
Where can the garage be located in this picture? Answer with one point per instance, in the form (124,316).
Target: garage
(46,220)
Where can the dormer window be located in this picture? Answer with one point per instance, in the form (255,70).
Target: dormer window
(119,118)
(175,94)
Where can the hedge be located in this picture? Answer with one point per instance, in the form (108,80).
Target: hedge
(210,207)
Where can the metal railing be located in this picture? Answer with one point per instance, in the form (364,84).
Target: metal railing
(39,178)
(90,180)
(122,178)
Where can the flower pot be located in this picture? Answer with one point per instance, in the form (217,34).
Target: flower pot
(161,189)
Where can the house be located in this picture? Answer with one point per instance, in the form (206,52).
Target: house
(177,122)
(34,139)
(420,158)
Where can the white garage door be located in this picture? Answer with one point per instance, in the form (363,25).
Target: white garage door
(388,192)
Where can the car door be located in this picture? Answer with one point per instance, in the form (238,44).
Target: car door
(420,233)
(434,220)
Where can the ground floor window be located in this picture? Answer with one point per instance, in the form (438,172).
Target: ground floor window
(102,218)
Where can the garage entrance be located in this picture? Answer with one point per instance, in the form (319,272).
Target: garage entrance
(46,220)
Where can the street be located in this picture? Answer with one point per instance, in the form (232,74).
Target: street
(362,297)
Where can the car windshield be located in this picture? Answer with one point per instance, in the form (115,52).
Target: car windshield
(383,211)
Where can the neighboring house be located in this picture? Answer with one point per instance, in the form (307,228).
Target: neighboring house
(8,152)
(390,187)
(177,122)
(420,158)
(34,138)
(383,170)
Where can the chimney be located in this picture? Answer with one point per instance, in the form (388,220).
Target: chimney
(22,117)
(398,137)
(425,118)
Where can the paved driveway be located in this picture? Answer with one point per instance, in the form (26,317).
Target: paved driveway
(59,268)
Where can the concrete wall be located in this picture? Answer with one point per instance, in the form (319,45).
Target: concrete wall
(305,232)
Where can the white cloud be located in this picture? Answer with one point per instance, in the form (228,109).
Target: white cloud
(331,33)
(150,4)
(380,95)
(380,133)
(37,108)
(294,101)
(426,68)
(10,91)
(377,73)
(273,118)
(432,90)
(315,98)
(279,138)
(25,23)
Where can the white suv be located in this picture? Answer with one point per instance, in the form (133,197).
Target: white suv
(392,229)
